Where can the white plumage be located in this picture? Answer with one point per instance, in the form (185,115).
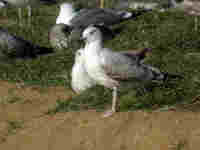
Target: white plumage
(80,78)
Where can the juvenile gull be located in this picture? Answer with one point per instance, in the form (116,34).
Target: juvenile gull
(78,21)
(80,78)
(15,46)
(108,68)
(59,36)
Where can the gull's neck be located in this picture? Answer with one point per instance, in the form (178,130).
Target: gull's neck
(94,46)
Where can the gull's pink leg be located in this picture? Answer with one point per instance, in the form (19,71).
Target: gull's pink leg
(114,101)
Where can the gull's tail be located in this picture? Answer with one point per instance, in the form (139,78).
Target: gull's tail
(164,76)
(156,75)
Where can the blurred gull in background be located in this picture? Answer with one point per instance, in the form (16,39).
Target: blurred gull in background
(78,21)
(16,47)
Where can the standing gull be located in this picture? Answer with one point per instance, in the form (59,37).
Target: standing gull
(108,68)
(80,78)
(78,21)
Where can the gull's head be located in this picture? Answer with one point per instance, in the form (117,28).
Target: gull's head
(91,34)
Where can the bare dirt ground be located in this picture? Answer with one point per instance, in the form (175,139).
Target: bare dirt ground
(25,126)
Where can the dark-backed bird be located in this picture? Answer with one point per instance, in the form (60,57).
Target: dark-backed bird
(80,20)
(15,46)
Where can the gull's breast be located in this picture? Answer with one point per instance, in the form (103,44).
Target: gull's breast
(94,68)
(80,79)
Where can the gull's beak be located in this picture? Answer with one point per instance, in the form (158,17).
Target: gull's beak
(83,38)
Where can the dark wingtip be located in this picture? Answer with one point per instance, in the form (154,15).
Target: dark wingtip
(136,13)
(171,76)
(142,54)
(147,50)
(43,51)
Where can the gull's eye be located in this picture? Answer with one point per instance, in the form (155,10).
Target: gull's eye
(78,53)
(92,32)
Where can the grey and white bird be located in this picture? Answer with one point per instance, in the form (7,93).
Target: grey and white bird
(81,81)
(78,21)
(16,47)
(109,68)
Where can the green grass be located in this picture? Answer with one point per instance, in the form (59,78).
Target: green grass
(171,35)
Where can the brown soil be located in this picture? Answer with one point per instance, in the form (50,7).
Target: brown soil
(24,125)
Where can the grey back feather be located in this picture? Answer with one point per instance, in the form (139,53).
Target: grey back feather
(120,66)
(96,16)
